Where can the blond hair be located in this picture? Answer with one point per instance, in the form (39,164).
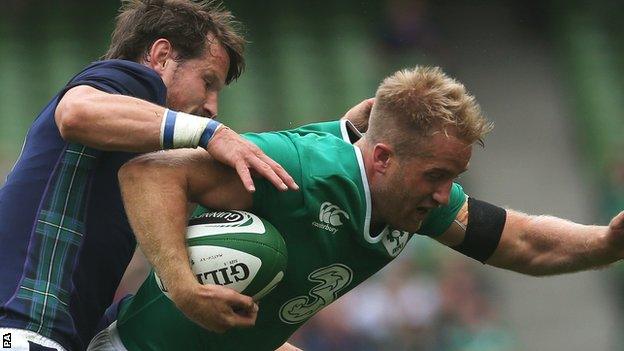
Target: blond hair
(413,104)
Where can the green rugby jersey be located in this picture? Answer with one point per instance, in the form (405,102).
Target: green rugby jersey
(326,229)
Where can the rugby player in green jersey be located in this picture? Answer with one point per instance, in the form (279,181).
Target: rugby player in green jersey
(395,181)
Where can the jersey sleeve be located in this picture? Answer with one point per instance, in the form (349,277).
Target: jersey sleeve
(331,127)
(279,147)
(342,129)
(441,218)
(122,77)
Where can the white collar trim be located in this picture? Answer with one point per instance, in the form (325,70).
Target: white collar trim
(345,127)
(367,217)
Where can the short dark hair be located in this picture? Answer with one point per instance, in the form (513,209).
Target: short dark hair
(184,23)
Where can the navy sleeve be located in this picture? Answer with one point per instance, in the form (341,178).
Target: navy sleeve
(122,77)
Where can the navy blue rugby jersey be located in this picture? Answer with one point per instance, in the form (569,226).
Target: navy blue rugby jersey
(65,240)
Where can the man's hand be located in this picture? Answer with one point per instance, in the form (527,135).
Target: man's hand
(359,114)
(216,308)
(231,149)
(288,347)
(615,234)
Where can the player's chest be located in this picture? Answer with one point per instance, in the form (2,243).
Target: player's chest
(320,269)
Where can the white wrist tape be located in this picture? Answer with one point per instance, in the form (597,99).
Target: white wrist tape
(182,130)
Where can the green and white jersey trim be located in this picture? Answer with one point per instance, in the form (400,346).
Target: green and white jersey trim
(345,133)
(393,240)
(345,127)
(367,196)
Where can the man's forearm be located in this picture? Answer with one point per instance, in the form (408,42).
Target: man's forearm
(545,245)
(157,211)
(121,123)
(109,122)
(156,188)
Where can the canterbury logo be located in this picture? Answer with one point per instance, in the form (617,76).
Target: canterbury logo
(331,214)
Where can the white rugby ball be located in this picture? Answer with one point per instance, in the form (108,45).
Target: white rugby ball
(236,249)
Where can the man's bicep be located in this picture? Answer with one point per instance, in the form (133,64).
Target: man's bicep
(512,246)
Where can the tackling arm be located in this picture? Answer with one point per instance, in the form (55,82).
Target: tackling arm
(546,245)
(156,189)
(109,122)
(122,123)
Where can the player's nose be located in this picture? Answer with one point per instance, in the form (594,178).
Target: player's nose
(211,104)
(442,194)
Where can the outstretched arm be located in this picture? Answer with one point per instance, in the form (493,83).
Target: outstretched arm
(156,189)
(543,245)
(546,245)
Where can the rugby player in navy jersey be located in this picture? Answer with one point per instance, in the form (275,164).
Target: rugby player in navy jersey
(65,239)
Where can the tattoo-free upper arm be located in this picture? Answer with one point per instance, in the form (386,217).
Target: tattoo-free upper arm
(514,250)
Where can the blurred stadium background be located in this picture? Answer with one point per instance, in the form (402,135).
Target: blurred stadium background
(548,73)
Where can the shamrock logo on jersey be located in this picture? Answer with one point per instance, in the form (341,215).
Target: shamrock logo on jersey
(394,241)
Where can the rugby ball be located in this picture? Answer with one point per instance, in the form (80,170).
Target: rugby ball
(236,249)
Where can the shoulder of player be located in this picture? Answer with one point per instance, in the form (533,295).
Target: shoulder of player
(305,145)
(124,77)
(126,66)
(332,167)
(341,129)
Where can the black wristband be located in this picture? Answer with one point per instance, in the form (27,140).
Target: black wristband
(484,230)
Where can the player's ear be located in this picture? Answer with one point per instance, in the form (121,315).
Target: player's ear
(382,156)
(160,56)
